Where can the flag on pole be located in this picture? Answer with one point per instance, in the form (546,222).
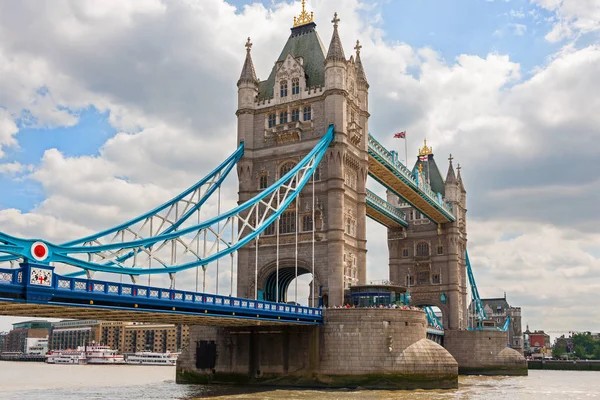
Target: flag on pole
(400,135)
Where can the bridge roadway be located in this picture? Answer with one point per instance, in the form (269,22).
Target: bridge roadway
(34,290)
(391,173)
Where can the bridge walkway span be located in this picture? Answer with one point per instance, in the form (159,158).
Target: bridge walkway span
(391,173)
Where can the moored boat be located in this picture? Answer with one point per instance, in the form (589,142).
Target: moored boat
(151,358)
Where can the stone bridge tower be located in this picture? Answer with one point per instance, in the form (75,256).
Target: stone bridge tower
(280,120)
(428,258)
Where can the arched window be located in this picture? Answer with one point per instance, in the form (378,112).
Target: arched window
(283,89)
(307,223)
(295,86)
(262,181)
(307,113)
(295,114)
(283,117)
(287,222)
(422,249)
(285,168)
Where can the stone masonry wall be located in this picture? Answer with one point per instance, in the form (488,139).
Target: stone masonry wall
(484,352)
(381,341)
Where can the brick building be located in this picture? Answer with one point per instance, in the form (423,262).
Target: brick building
(16,339)
(127,337)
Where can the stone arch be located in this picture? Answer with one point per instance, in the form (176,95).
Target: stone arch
(267,278)
(285,166)
(434,302)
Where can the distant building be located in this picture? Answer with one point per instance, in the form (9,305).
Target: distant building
(2,340)
(565,343)
(69,334)
(538,342)
(36,346)
(16,339)
(127,337)
(498,310)
(155,337)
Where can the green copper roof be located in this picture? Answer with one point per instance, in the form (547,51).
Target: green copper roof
(303,42)
(432,173)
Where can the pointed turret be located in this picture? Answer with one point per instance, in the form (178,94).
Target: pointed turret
(450,176)
(361,77)
(248,74)
(451,185)
(336,51)
(460,181)
(247,94)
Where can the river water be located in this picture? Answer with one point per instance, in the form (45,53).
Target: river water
(25,381)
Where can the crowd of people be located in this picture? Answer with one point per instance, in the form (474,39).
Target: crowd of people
(401,307)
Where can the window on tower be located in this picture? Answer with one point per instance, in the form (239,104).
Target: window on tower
(440,249)
(307,113)
(283,117)
(285,168)
(287,222)
(269,230)
(283,89)
(295,86)
(262,182)
(422,249)
(272,120)
(307,223)
(295,114)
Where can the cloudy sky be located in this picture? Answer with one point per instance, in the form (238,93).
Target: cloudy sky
(108,108)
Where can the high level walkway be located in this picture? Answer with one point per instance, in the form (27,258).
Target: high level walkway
(391,173)
(383,212)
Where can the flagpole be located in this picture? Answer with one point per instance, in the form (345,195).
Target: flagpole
(405,150)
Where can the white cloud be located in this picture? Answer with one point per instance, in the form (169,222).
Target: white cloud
(573,17)
(519,29)
(8,129)
(14,168)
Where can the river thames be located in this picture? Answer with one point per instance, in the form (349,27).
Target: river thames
(25,381)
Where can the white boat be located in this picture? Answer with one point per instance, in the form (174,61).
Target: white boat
(70,359)
(150,358)
(97,354)
(94,354)
(65,357)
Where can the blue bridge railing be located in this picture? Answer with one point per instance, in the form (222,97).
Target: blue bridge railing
(39,284)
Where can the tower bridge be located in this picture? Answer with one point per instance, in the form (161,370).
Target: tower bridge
(304,155)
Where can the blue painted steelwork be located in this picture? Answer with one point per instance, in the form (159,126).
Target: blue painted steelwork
(386,159)
(38,284)
(506,325)
(432,319)
(214,179)
(290,185)
(385,208)
(479,310)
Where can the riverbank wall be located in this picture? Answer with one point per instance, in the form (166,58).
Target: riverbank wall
(579,365)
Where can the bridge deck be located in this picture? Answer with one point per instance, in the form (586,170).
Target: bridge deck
(35,290)
(384,213)
(399,179)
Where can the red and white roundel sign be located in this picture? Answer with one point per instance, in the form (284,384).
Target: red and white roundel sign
(39,251)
